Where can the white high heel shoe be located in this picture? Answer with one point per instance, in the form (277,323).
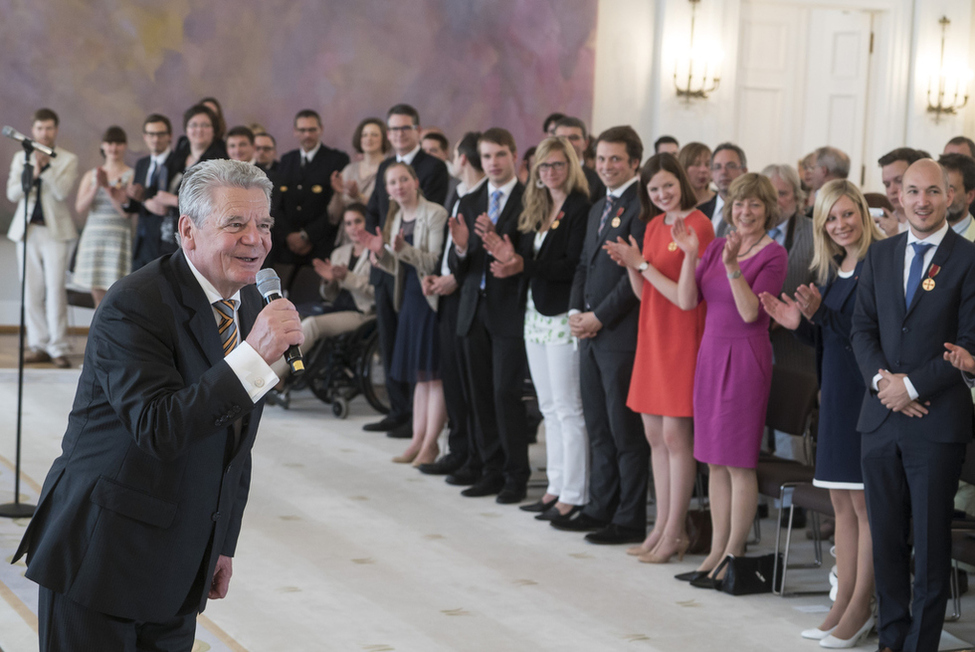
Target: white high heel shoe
(838,644)
(816,634)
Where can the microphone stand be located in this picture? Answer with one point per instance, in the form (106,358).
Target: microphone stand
(18,509)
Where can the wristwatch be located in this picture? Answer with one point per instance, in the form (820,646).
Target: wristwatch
(735,274)
(643,266)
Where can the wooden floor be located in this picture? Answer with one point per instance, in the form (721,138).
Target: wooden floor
(10,351)
(343,550)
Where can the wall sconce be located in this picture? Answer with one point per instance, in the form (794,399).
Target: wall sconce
(948,85)
(697,72)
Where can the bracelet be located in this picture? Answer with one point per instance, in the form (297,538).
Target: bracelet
(735,274)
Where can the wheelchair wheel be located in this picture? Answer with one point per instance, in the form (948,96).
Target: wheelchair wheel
(340,407)
(318,383)
(372,376)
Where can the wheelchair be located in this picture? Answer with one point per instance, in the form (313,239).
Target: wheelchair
(338,369)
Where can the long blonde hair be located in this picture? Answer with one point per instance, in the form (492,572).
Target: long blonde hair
(538,201)
(393,206)
(825,251)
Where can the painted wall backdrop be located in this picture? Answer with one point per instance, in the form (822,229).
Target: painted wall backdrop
(465,64)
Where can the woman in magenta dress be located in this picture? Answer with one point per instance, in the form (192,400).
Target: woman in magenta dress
(662,385)
(734,363)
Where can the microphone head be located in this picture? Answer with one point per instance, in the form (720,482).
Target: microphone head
(10,132)
(268,282)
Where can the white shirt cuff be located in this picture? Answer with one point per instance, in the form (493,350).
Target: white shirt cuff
(254,374)
(910,388)
(460,254)
(574,311)
(873,384)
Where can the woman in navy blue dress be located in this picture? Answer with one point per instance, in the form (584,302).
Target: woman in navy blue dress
(843,230)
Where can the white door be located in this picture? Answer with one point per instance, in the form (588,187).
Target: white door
(837,77)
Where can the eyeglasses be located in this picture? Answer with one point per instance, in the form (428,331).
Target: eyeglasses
(557,166)
(264,148)
(307,130)
(730,167)
(199,125)
(156,134)
(401,129)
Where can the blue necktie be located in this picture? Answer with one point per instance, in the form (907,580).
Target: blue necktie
(494,212)
(917,265)
(774,233)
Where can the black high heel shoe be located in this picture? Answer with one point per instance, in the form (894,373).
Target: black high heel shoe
(707,582)
(553,512)
(540,505)
(690,576)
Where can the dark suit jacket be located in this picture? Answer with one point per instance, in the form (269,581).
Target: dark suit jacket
(149,488)
(551,271)
(887,335)
(600,284)
(505,297)
(300,202)
(148,243)
(432,173)
(596,188)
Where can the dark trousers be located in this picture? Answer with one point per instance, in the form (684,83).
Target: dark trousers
(908,476)
(64,625)
(496,372)
(400,394)
(619,453)
(453,372)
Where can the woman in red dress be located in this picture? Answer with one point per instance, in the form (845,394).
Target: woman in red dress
(662,385)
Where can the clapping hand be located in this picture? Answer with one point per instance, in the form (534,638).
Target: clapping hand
(512,266)
(101,177)
(135,191)
(338,186)
(624,254)
(808,298)
(732,245)
(500,248)
(785,312)
(371,241)
(323,268)
(399,242)
(685,238)
(459,232)
(483,226)
(959,358)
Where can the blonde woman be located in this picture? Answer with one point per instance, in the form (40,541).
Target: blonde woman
(843,230)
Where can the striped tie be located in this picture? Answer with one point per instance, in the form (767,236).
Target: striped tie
(607,209)
(227,327)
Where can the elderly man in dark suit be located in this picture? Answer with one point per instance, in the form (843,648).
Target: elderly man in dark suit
(916,292)
(139,516)
(603,313)
(403,127)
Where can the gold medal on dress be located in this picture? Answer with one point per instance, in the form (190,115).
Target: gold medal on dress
(615,223)
(317,189)
(928,284)
(555,225)
(672,246)
(283,188)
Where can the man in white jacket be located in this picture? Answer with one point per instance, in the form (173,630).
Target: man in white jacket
(49,232)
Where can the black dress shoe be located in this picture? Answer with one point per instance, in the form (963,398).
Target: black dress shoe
(404,431)
(510,496)
(690,576)
(614,534)
(463,477)
(388,423)
(486,486)
(444,466)
(578,522)
(706,582)
(539,506)
(553,512)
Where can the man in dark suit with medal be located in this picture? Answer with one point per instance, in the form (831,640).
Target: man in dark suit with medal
(138,519)
(603,314)
(916,292)
(302,230)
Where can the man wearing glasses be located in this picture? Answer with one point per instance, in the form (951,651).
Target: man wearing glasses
(152,174)
(728,162)
(403,130)
(574,131)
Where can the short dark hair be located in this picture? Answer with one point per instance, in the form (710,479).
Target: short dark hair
(906,154)
(734,148)
(663,140)
(157,117)
(550,118)
(115,134)
(627,135)
(43,115)
(308,113)
(200,109)
(498,136)
(573,123)
(404,109)
(468,147)
(264,133)
(665,162)
(440,138)
(962,164)
(218,125)
(357,207)
(357,135)
(241,130)
(963,140)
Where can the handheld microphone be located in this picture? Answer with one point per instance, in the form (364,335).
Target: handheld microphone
(10,132)
(269,285)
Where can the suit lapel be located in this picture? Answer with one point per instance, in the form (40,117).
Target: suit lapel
(847,289)
(202,323)
(621,207)
(940,257)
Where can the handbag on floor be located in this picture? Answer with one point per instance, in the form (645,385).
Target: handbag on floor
(699,531)
(748,575)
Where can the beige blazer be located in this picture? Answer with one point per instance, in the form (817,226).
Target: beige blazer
(57,181)
(356,281)
(423,254)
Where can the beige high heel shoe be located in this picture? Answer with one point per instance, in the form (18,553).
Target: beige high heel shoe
(653,557)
